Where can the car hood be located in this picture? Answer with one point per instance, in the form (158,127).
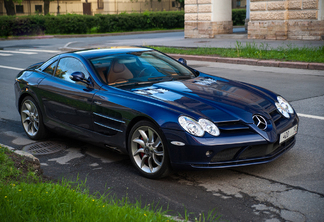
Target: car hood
(212,97)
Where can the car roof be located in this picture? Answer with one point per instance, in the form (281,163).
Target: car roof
(100,52)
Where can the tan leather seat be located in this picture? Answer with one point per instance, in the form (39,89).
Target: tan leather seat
(102,73)
(118,73)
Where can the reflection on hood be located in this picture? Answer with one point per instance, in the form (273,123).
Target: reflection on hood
(215,98)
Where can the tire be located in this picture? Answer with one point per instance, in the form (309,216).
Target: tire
(147,150)
(32,119)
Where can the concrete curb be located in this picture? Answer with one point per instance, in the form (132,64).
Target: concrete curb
(255,62)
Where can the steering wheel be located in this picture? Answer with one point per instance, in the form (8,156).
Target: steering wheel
(142,72)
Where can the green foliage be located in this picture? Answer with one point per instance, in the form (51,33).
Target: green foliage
(67,202)
(7,168)
(66,24)
(82,24)
(256,51)
(140,21)
(5,25)
(238,16)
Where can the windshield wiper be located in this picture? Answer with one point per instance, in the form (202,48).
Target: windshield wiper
(183,77)
(168,78)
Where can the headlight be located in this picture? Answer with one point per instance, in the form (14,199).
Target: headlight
(284,107)
(209,127)
(191,126)
(198,128)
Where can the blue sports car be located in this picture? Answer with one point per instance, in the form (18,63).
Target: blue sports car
(158,110)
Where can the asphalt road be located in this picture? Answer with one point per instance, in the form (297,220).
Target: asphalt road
(288,189)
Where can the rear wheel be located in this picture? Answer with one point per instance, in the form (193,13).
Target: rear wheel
(147,150)
(32,119)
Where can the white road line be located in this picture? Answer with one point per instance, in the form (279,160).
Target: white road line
(5,54)
(18,52)
(311,116)
(40,50)
(9,67)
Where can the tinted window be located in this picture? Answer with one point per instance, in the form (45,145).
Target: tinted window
(139,67)
(67,66)
(50,69)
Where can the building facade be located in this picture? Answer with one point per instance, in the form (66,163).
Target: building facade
(91,7)
(238,4)
(286,19)
(267,19)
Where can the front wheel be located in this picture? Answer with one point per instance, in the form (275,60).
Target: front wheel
(32,119)
(147,150)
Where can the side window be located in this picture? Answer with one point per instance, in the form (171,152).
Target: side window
(67,66)
(50,69)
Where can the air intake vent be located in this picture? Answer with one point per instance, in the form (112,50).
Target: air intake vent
(232,126)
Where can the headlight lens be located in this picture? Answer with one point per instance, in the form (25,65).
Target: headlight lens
(284,107)
(209,127)
(198,128)
(191,126)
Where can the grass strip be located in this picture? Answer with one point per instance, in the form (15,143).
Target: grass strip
(62,202)
(24,198)
(255,51)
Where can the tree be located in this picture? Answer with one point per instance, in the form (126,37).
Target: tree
(181,2)
(46,6)
(10,7)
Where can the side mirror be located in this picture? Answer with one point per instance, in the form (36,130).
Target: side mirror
(77,76)
(80,77)
(182,61)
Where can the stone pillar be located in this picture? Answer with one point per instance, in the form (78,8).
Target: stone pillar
(221,17)
(247,19)
(321,11)
(207,18)
(286,19)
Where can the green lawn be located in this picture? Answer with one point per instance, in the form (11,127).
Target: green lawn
(255,51)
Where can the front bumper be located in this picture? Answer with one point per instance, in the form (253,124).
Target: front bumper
(225,151)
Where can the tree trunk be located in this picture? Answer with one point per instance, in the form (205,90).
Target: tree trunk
(46,6)
(10,7)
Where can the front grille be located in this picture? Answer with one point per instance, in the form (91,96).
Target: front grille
(232,127)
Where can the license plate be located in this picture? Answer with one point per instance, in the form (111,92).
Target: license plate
(288,134)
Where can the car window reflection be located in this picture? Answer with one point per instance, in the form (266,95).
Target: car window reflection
(50,69)
(67,66)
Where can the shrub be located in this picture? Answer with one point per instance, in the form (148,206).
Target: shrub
(238,16)
(66,24)
(82,24)
(6,25)
(140,21)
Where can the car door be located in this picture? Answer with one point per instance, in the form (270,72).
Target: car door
(66,100)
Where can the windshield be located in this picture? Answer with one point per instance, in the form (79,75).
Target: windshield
(139,68)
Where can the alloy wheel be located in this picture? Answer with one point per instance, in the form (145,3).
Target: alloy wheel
(30,117)
(147,149)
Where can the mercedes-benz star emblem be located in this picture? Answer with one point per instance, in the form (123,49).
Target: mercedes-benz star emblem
(260,122)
